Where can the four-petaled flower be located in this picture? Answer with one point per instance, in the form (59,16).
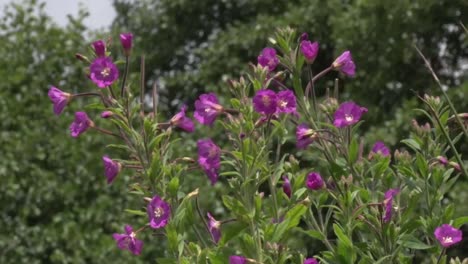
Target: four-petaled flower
(207,108)
(348,113)
(311,261)
(379,148)
(268,59)
(265,101)
(286,102)
(103,72)
(209,158)
(111,168)
(128,241)
(345,64)
(182,121)
(237,260)
(214,227)
(80,124)
(158,212)
(388,204)
(448,235)
(287,186)
(126,39)
(304,136)
(309,50)
(59,98)
(99,48)
(314,181)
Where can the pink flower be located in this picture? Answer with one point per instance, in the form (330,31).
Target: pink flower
(59,99)
(304,136)
(209,158)
(388,203)
(99,48)
(265,102)
(103,72)
(112,168)
(286,102)
(207,108)
(182,121)
(128,241)
(309,50)
(287,186)
(158,212)
(80,124)
(268,59)
(126,39)
(345,64)
(448,235)
(214,227)
(314,181)
(311,261)
(237,260)
(348,114)
(379,148)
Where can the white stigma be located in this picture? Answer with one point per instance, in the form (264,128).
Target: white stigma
(105,72)
(158,212)
(349,118)
(447,239)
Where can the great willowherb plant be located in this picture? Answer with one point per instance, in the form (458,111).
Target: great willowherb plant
(374,208)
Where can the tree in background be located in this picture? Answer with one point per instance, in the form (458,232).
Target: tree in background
(56,205)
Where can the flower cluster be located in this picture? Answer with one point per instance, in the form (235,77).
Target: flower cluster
(268,102)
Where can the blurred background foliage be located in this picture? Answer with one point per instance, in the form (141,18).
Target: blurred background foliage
(56,206)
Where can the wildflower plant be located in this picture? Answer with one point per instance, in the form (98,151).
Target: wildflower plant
(358,201)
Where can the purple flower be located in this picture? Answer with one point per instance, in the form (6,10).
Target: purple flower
(348,114)
(388,203)
(309,50)
(314,181)
(379,148)
(126,40)
(265,101)
(287,186)
(207,108)
(128,241)
(268,59)
(158,212)
(448,235)
(209,158)
(107,114)
(345,64)
(286,102)
(103,72)
(304,136)
(112,168)
(215,228)
(237,260)
(80,124)
(59,98)
(304,36)
(311,261)
(180,120)
(99,48)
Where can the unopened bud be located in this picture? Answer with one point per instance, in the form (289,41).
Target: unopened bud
(82,57)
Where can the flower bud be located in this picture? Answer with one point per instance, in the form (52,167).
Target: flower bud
(126,39)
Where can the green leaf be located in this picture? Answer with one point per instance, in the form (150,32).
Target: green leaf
(353,151)
(230,231)
(135,212)
(460,221)
(412,144)
(341,236)
(409,241)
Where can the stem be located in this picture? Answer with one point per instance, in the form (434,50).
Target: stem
(318,76)
(107,132)
(310,88)
(85,94)
(124,80)
(452,108)
(316,226)
(155,99)
(201,216)
(258,240)
(440,256)
(142,86)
